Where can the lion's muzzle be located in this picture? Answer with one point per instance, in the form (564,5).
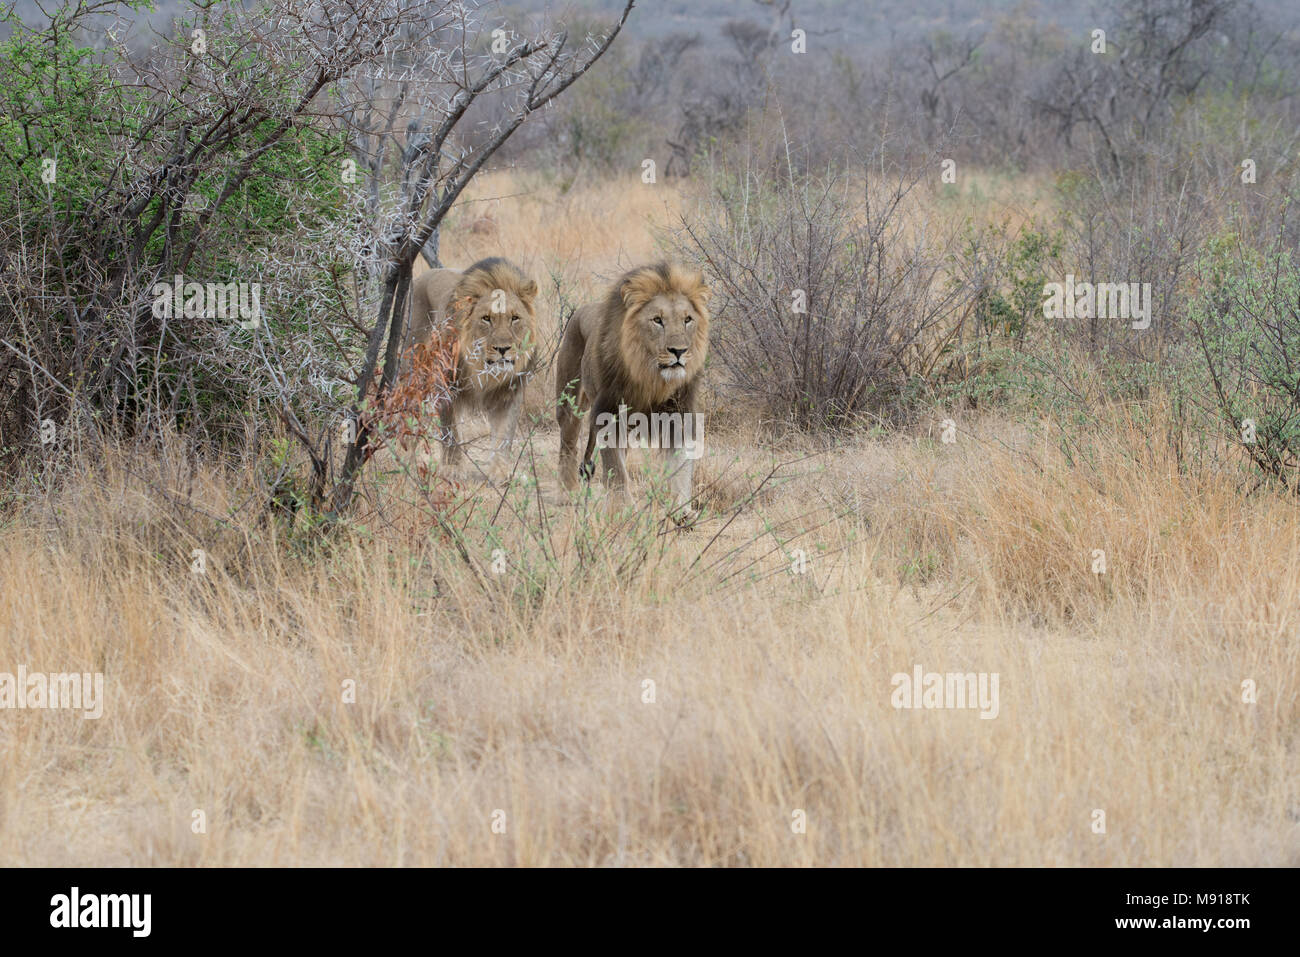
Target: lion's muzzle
(673,368)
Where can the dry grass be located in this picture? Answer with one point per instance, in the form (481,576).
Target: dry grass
(587,234)
(1119,692)
(524,692)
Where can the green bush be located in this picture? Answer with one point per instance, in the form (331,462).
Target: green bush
(1246,317)
(142,155)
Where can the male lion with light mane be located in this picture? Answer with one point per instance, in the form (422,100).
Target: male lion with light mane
(490,306)
(643,347)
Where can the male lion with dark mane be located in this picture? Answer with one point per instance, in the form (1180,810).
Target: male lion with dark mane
(636,355)
(490,306)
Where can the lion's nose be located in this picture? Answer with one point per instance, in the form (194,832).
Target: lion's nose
(677,353)
(503,350)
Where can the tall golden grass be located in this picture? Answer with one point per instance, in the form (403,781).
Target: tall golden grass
(1119,692)
(564,713)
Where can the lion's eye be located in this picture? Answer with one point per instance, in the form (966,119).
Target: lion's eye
(689,320)
(658,320)
(514,318)
(488,320)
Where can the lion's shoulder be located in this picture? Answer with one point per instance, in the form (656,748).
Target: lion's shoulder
(435,288)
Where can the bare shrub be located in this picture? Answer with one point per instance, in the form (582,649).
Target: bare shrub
(830,299)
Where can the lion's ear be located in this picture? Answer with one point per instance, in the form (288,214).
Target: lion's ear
(637,289)
(528,291)
(460,307)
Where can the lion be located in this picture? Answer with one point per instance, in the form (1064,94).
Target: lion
(639,351)
(491,307)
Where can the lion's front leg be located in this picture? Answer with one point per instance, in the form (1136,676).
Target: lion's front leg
(681,475)
(613,465)
(452,453)
(681,446)
(505,422)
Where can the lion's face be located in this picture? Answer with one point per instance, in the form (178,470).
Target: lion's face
(498,335)
(667,337)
